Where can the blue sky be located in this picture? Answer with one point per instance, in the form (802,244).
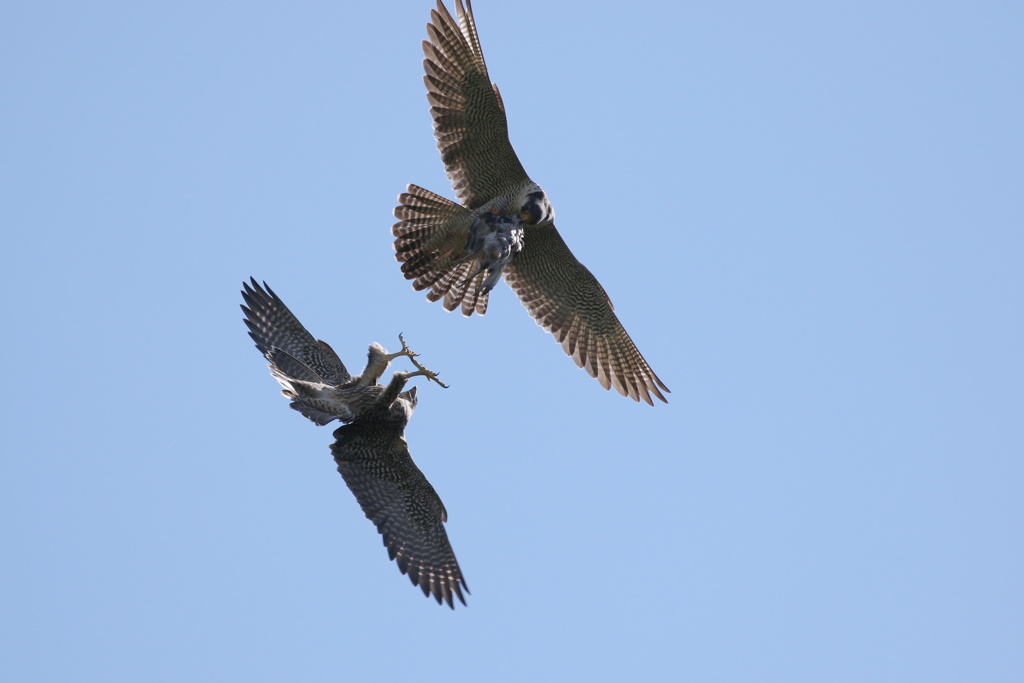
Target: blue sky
(808,216)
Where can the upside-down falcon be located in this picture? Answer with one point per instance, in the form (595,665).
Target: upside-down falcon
(370,449)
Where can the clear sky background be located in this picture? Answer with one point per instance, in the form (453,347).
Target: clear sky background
(807,214)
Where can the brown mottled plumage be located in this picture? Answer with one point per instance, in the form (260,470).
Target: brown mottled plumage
(371,451)
(433,233)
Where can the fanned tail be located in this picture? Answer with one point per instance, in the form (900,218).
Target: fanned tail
(430,242)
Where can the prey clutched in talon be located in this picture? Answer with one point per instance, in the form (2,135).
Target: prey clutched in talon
(429,374)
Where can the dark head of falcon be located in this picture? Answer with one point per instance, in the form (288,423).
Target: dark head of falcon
(537,210)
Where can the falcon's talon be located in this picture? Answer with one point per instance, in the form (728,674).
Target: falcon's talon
(421,370)
(406,351)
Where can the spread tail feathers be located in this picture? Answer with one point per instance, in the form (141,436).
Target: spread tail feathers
(430,241)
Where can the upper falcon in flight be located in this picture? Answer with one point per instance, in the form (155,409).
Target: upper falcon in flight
(370,449)
(505,226)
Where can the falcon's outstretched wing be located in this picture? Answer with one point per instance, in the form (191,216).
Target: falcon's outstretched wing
(568,301)
(557,290)
(373,457)
(469,117)
(285,342)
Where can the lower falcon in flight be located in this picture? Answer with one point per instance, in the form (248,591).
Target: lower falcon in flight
(370,448)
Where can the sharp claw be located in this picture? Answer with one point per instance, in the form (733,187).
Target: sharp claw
(406,351)
(429,374)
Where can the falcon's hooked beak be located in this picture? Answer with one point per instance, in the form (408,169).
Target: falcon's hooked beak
(537,209)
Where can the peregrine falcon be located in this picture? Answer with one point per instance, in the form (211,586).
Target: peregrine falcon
(370,449)
(505,226)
